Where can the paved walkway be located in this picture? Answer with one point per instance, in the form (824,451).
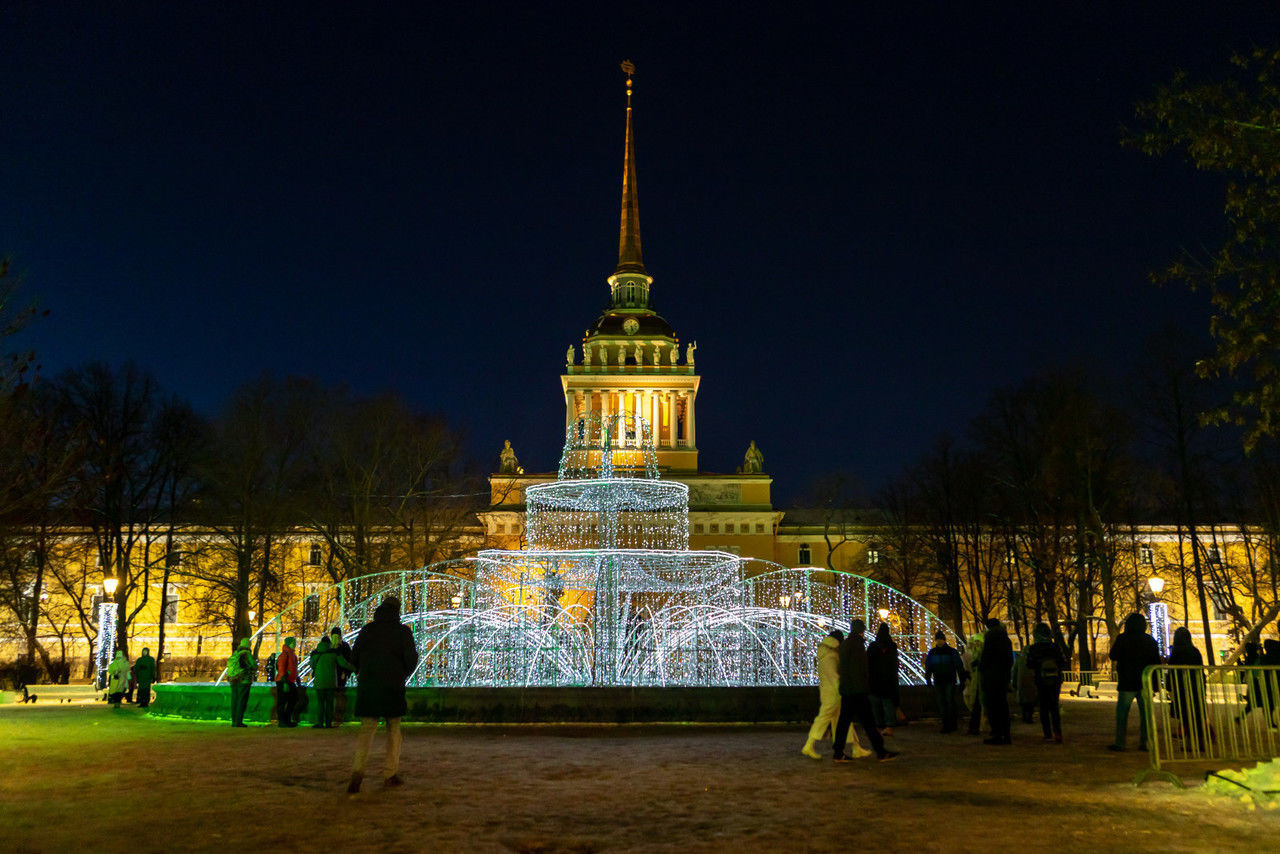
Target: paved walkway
(88,778)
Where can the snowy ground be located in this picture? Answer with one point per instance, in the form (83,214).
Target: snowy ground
(87,778)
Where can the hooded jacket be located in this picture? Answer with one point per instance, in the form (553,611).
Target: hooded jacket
(1132,652)
(384,656)
(118,674)
(241,666)
(287,664)
(882,665)
(325,661)
(144,669)
(829,670)
(942,666)
(997,658)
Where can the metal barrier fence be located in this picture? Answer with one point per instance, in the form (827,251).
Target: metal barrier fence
(1209,715)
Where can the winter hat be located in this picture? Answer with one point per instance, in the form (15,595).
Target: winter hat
(992,623)
(939,635)
(291,642)
(244,643)
(1041,632)
(335,631)
(837,634)
(857,627)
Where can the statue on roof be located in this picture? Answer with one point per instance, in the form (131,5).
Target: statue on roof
(568,356)
(753,462)
(688,353)
(507,462)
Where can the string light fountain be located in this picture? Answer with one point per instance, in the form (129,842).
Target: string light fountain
(609,593)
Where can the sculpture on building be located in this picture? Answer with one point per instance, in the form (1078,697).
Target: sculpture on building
(568,356)
(688,353)
(753,462)
(657,355)
(639,354)
(586,354)
(674,354)
(507,462)
(622,355)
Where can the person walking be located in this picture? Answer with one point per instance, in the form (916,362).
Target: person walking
(144,673)
(882,664)
(287,684)
(343,649)
(942,667)
(384,656)
(1133,651)
(1186,690)
(325,662)
(996,669)
(854,702)
(1046,663)
(828,667)
(240,672)
(972,659)
(117,678)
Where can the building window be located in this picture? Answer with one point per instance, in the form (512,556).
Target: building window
(1146,556)
(315,558)
(697,528)
(873,556)
(172,559)
(804,556)
(715,527)
(1215,556)
(759,527)
(171,606)
(311,609)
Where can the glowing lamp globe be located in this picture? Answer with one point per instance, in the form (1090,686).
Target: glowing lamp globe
(109,584)
(1156,583)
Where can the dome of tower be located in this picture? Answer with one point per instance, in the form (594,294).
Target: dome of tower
(612,324)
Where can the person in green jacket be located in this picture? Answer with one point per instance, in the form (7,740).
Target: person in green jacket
(144,673)
(240,672)
(325,661)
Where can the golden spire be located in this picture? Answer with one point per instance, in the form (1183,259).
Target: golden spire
(629,258)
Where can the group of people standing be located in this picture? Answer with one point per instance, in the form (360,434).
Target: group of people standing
(125,679)
(382,659)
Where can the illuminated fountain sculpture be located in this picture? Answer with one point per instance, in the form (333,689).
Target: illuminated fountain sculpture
(608,592)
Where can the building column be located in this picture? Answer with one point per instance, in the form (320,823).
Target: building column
(655,423)
(670,400)
(693,439)
(568,408)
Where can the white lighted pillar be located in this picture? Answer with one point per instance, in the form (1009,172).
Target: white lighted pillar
(670,402)
(606,408)
(568,408)
(654,424)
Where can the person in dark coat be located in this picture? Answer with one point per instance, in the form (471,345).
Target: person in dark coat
(384,657)
(1186,689)
(942,666)
(882,667)
(1133,651)
(854,702)
(1271,658)
(1045,664)
(343,649)
(144,673)
(996,669)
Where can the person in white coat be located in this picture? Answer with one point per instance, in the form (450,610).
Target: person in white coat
(829,698)
(117,678)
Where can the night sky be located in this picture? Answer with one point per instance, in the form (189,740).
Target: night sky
(869,220)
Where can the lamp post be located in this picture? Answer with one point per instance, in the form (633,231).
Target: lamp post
(106,628)
(1158,614)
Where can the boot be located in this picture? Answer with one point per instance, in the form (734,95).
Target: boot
(808,750)
(353,788)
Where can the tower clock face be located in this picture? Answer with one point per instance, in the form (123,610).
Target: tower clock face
(631,326)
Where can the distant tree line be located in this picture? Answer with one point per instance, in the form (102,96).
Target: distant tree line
(103,473)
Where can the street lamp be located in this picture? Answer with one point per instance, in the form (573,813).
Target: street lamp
(884,615)
(1156,583)
(106,628)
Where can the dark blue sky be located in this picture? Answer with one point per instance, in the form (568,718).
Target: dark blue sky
(869,218)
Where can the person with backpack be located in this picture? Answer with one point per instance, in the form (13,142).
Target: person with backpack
(240,671)
(1046,663)
(942,667)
